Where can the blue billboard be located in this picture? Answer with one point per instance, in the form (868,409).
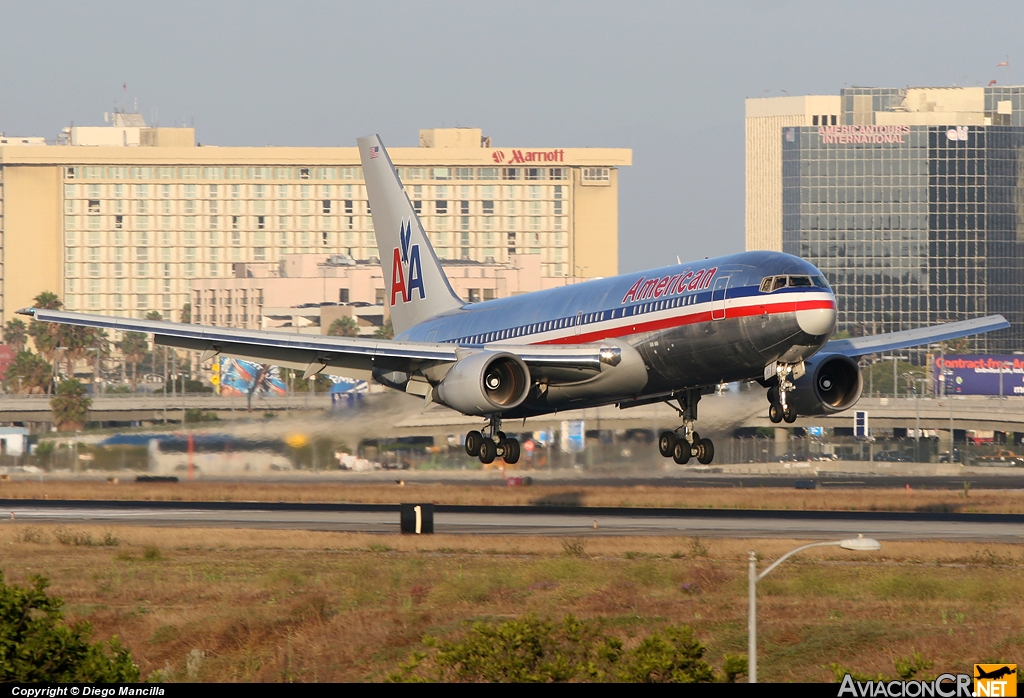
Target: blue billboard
(979,374)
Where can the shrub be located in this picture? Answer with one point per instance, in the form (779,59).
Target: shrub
(531,650)
(37,646)
(671,656)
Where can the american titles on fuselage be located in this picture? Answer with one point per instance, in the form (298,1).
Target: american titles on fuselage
(406,271)
(645,288)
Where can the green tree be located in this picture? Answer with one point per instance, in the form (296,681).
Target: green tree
(36,646)
(70,405)
(44,334)
(134,347)
(385,331)
(186,313)
(960,345)
(343,327)
(76,342)
(16,334)
(35,373)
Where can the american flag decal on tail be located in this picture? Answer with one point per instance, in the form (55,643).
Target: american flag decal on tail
(374,152)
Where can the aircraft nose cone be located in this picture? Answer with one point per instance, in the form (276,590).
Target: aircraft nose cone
(818,322)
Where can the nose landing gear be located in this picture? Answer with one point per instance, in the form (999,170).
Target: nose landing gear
(685,443)
(492,443)
(779,409)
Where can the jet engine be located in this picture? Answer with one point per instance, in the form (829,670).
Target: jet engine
(485,383)
(831,383)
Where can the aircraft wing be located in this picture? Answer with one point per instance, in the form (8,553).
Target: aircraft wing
(859,346)
(347,356)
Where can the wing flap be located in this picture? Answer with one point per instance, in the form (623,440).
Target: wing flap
(891,341)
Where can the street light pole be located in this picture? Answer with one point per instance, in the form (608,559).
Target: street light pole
(860,543)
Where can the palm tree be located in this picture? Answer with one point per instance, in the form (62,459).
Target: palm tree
(343,327)
(186,313)
(70,405)
(385,331)
(16,334)
(28,373)
(44,334)
(134,346)
(47,300)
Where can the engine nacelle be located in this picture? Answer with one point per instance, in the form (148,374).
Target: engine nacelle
(485,383)
(831,383)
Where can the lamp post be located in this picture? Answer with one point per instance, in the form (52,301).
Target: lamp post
(860,543)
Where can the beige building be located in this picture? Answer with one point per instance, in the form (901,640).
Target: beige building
(307,292)
(124,219)
(765,120)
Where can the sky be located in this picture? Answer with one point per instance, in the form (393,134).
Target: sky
(666,79)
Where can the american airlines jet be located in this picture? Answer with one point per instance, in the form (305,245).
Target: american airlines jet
(664,335)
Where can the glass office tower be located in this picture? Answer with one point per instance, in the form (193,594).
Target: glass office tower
(913,224)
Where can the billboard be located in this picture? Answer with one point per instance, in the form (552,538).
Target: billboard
(238,378)
(979,374)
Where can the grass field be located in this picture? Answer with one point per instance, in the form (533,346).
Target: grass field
(265,605)
(989,501)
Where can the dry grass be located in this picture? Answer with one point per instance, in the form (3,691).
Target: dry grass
(989,501)
(255,605)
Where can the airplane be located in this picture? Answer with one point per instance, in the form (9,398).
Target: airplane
(664,335)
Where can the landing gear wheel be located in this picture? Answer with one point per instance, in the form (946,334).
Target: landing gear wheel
(666,444)
(681,452)
(773,394)
(707,452)
(789,414)
(473,441)
(488,451)
(775,413)
(511,454)
(501,437)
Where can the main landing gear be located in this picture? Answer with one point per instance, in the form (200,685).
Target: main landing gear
(492,443)
(778,408)
(684,443)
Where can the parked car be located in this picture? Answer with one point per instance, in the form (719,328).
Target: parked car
(1007,459)
(893,457)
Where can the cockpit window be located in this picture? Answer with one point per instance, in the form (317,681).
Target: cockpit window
(774,283)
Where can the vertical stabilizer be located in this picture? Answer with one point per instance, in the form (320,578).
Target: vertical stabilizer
(417,287)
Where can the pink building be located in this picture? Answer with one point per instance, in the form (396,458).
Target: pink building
(308,291)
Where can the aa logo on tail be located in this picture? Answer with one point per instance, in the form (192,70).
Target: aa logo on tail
(406,271)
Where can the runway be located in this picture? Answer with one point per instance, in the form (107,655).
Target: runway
(546,521)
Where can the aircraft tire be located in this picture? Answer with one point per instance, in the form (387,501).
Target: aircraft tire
(789,414)
(666,444)
(773,394)
(473,441)
(681,452)
(775,413)
(501,437)
(511,454)
(488,451)
(707,452)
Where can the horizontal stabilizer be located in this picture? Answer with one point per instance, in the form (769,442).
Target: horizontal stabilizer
(859,346)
